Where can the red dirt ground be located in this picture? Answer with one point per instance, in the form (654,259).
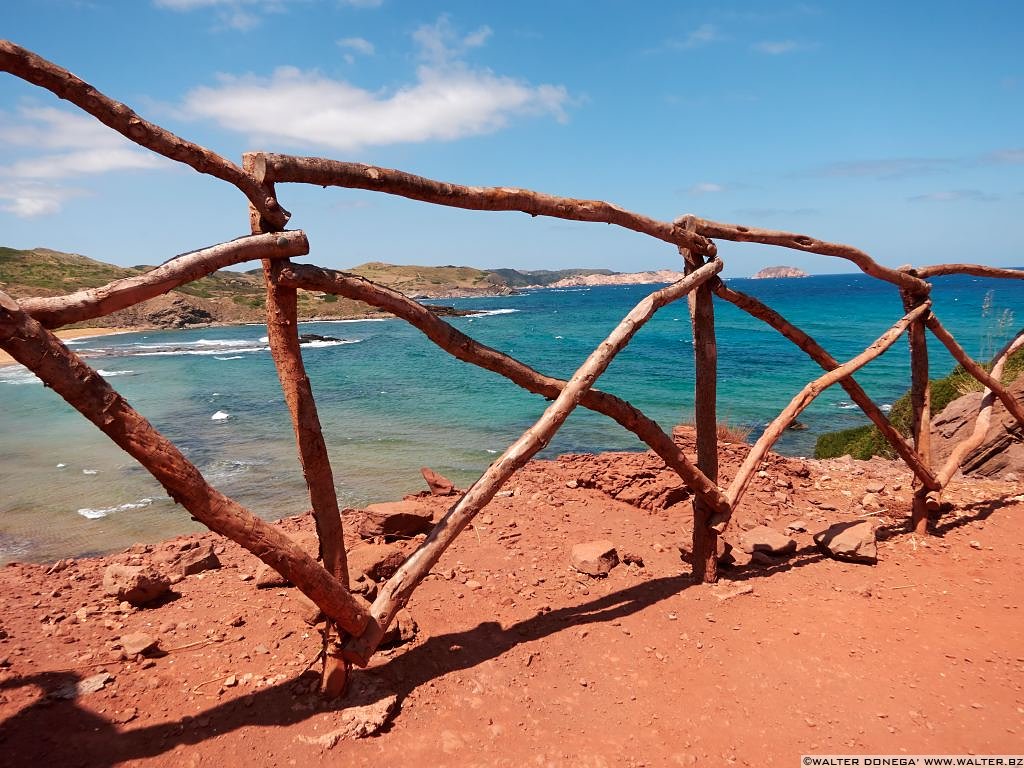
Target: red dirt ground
(520,660)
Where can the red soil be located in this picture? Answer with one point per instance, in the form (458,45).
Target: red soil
(521,660)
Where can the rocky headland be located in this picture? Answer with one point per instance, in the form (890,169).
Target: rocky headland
(773,272)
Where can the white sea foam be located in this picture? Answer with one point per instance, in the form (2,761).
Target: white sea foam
(90,471)
(232,357)
(108,374)
(220,416)
(338,342)
(17,375)
(177,351)
(94,514)
(846,405)
(492,312)
(886,407)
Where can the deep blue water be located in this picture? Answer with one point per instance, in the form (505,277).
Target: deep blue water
(390,402)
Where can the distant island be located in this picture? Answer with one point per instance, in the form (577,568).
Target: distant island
(228,296)
(769,272)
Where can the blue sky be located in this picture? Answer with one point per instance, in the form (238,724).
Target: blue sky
(896,127)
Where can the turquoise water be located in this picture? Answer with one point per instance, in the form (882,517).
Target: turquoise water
(390,402)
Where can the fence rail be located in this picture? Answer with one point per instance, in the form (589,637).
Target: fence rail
(354,632)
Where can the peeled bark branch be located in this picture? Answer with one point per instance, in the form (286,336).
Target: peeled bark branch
(806,396)
(84,389)
(817,353)
(397,590)
(334,173)
(55,311)
(984,420)
(990,380)
(469,350)
(978,270)
(33,68)
(742,234)
(920,401)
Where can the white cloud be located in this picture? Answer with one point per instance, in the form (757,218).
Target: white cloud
(697,38)
(73,145)
(358,44)
(27,200)
(776,47)
(706,188)
(237,14)
(1005,157)
(448,100)
(955,195)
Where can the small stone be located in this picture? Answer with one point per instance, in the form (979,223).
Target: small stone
(473,584)
(594,558)
(261,650)
(632,558)
(126,715)
(874,487)
(402,630)
(268,578)
(854,542)
(375,561)
(231,682)
(975,545)
(764,539)
(197,560)
(308,611)
(138,643)
(797,526)
(135,584)
(870,502)
(439,484)
(396,520)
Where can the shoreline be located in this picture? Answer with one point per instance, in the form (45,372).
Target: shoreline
(69,334)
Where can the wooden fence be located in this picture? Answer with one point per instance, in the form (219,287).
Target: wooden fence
(353,631)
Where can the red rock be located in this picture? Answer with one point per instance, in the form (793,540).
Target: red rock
(439,484)
(135,584)
(396,520)
(761,538)
(594,558)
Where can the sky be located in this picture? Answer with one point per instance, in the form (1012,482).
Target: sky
(894,127)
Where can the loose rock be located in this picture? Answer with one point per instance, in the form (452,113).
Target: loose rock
(138,642)
(439,484)
(764,539)
(853,542)
(396,520)
(135,584)
(594,558)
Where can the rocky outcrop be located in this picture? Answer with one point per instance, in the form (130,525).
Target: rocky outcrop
(618,278)
(772,272)
(1002,452)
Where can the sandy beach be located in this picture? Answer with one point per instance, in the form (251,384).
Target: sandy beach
(72,333)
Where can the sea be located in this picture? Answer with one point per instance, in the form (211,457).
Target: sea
(390,402)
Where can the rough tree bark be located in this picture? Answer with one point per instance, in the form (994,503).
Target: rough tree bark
(55,311)
(920,400)
(705,416)
(334,173)
(42,353)
(978,270)
(743,234)
(283,336)
(396,591)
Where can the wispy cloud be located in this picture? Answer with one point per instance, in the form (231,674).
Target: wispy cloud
(354,46)
(777,47)
(776,213)
(448,100)
(72,145)
(705,188)
(695,38)
(1014,156)
(240,15)
(885,168)
(954,196)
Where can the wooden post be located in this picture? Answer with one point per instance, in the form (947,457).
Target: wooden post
(705,355)
(920,399)
(283,335)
